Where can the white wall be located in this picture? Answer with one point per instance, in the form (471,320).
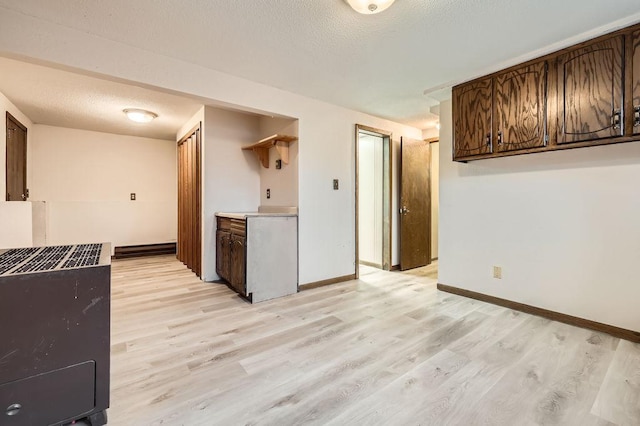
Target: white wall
(563,226)
(283,183)
(370,155)
(327,136)
(16,228)
(231,176)
(86,178)
(7,105)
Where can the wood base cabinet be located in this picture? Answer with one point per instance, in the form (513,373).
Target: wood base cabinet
(230,252)
(257,254)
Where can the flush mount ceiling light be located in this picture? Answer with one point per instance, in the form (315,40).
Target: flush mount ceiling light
(369,7)
(140,115)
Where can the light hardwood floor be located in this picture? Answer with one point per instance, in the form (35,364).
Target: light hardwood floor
(387,349)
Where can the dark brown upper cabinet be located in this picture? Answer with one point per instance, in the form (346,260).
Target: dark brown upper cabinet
(584,95)
(472,109)
(520,108)
(590,92)
(635,82)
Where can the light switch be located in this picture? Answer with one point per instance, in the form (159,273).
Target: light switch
(268,193)
(336,184)
(133,196)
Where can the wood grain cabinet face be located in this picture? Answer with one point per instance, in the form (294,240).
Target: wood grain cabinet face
(472,109)
(223,254)
(590,92)
(238,264)
(635,84)
(520,100)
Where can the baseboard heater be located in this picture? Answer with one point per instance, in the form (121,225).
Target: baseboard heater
(55,307)
(144,250)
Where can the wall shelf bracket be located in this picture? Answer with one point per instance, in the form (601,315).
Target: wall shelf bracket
(280,142)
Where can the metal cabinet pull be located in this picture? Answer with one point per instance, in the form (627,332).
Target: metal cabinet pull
(617,119)
(636,116)
(500,138)
(488,139)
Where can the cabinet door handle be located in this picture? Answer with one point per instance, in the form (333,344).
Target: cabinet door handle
(500,138)
(488,139)
(636,116)
(617,119)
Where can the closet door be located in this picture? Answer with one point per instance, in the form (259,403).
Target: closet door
(590,92)
(635,84)
(189,201)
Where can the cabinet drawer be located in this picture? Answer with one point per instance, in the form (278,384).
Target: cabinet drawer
(235,226)
(238,227)
(39,400)
(224,224)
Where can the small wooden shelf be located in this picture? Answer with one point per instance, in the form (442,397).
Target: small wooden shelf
(261,148)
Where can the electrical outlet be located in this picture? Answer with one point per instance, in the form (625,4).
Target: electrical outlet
(336,184)
(133,196)
(497,272)
(268,193)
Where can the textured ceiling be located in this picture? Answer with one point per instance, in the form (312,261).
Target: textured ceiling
(65,99)
(380,64)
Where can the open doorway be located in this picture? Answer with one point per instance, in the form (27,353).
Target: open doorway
(373,198)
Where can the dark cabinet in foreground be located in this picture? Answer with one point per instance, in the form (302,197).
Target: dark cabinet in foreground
(55,309)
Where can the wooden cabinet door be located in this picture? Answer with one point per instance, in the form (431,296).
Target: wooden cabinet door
(223,254)
(520,108)
(636,82)
(472,108)
(238,268)
(590,92)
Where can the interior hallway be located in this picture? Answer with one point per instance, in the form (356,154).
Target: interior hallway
(385,349)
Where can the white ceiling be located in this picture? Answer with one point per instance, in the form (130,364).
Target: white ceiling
(380,64)
(65,99)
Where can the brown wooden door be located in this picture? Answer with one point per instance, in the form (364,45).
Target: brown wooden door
(415,204)
(16,171)
(472,109)
(189,201)
(520,108)
(590,92)
(636,82)
(238,267)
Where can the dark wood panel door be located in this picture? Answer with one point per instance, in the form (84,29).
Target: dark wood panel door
(238,268)
(189,201)
(472,109)
(520,108)
(223,254)
(590,92)
(16,160)
(415,204)
(636,82)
